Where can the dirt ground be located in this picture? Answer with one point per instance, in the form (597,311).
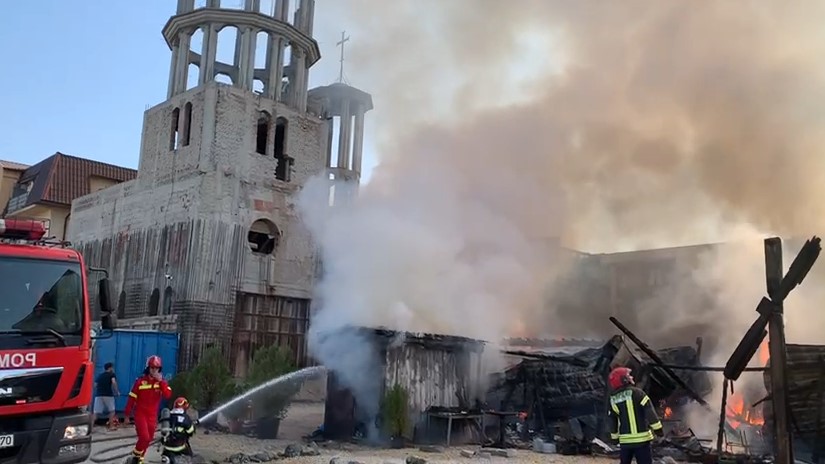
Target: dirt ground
(306,416)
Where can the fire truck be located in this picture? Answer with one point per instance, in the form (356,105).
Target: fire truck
(45,346)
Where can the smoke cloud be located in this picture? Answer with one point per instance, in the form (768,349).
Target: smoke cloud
(504,127)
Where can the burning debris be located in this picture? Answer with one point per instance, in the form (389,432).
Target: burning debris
(564,395)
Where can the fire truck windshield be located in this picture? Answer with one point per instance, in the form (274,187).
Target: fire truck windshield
(40,296)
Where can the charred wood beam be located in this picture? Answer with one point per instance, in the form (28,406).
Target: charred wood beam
(709,368)
(548,357)
(658,361)
(721,433)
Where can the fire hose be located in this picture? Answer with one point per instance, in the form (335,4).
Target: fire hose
(99,460)
(164,431)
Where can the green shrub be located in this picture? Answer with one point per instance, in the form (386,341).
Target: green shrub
(394,414)
(210,382)
(270,363)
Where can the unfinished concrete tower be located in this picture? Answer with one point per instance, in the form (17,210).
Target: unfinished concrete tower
(206,238)
(343,106)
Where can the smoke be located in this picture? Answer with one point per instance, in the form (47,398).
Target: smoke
(505,127)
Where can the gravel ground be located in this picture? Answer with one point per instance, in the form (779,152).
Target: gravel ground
(302,419)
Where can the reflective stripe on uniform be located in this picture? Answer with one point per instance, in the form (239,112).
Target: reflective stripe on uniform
(133,394)
(633,436)
(174,449)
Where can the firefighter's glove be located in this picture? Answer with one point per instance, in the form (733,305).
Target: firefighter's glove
(659,433)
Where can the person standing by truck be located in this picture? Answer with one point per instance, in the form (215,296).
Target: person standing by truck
(106,390)
(144,399)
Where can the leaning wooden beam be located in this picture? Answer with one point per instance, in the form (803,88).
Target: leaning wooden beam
(658,361)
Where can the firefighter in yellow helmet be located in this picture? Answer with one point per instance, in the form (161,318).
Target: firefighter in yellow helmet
(633,419)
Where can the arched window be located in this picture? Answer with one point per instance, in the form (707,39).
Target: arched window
(263,237)
(173,137)
(154,302)
(168,299)
(262,138)
(187,123)
(284,161)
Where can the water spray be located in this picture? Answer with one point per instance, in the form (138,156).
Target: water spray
(299,374)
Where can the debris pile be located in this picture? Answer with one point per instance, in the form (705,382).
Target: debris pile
(564,396)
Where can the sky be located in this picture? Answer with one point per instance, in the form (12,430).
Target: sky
(80,74)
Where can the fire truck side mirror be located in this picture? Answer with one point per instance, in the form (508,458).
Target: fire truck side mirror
(107,319)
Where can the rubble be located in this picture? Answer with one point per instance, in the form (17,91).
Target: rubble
(564,395)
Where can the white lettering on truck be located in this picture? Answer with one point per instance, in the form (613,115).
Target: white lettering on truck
(17,360)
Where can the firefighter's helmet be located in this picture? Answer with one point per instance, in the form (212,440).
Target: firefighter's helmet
(619,378)
(154,361)
(181,403)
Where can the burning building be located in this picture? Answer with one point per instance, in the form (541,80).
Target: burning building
(564,394)
(436,371)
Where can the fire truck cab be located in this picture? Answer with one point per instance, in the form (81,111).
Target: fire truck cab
(46,372)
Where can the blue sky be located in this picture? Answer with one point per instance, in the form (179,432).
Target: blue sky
(80,73)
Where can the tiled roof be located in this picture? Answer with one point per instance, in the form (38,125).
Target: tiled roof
(13,165)
(61,178)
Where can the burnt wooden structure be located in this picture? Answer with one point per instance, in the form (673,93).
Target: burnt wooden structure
(771,314)
(563,391)
(437,371)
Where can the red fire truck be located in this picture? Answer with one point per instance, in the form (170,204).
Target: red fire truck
(45,346)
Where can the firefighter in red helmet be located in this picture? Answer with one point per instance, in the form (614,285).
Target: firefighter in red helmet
(633,419)
(144,399)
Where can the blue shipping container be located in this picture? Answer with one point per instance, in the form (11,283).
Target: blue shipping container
(128,351)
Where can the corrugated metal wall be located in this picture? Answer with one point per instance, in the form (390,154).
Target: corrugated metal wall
(128,351)
(433,375)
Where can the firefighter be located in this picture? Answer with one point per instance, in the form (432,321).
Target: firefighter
(633,420)
(181,429)
(144,400)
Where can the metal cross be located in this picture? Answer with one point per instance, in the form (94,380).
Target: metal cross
(344,39)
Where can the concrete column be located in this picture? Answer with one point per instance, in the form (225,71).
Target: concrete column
(310,17)
(185,6)
(172,66)
(330,129)
(208,54)
(213,3)
(182,65)
(252,5)
(282,10)
(344,130)
(246,63)
(298,65)
(358,142)
(275,66)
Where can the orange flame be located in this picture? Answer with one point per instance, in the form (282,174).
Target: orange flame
(668,412)
(736,410)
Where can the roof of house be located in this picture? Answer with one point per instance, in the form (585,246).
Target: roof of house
(61,178)
(13,165)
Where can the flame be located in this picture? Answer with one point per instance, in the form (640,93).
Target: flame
(668,412)
(736,410)
(764,353)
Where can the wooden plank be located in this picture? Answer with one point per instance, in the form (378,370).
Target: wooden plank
(783,451)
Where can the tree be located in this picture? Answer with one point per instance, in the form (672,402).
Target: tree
(270,363)
(210,381)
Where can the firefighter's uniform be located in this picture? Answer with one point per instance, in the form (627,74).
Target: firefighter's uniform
(633,422)
(182,429)
(144,399)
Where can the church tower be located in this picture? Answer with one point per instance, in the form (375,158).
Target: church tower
(206,240)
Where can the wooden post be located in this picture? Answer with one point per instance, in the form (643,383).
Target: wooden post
(783,452)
